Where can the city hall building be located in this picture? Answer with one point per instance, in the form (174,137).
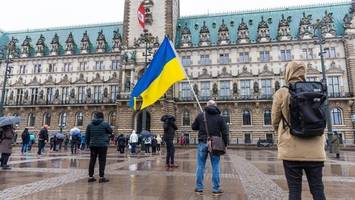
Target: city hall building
(62,76)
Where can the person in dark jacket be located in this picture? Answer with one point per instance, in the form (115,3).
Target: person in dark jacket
(25,140)
(42,138)
(216,127)
(169,127)
(121,143)
(98,135)
(6,140)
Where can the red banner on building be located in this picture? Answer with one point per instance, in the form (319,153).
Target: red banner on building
(141,15)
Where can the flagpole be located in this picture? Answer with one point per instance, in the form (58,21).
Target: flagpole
(187,77)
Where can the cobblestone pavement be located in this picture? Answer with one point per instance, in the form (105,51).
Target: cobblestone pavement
(246,174)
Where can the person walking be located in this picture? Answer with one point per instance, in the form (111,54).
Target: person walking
(25,140)
(336,144)
(32,141)
(212,119)
(147,143)
(298,153)
(42,138)
(98,135)
(159,141)
(133,140)
(6,141)
(154,144)
(75,139)
(169,127)
(60,139)
(121,143)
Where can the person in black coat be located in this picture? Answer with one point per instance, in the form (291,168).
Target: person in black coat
(121,143)
(169,134)
(216,126)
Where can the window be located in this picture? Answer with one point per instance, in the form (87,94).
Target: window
(224,59)
(81,94)
(246,118)
(247,138)
(47,119)
(333,86)
(112,118)
(185,91)
(330,52)
(97,94)
(65,95)
(49,95)
(307,54)
(270,137)
(205,59)
(186,118)
(115,90)
(99,65)
(337,117)
(244,57)
(51,68)
(245,88)
(22,69)
(37,68)
(205,89)
(19,97)
(93,115)
(31,120)
(286,55)
(225,88)
(34,95)
(67,67)
(264,56)
(115,65)
(226,116)
(186,61)
(266,88)
(79,119)
(312,79)
(127,85)
(267,117)
(82,66)
(63,119)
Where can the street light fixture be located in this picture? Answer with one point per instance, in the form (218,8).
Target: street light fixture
(320,40)
(5,57)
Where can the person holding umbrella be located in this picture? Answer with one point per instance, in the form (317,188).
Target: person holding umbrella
(169,133)
(7,134)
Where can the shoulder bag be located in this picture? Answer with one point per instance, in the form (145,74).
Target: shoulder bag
(215,144)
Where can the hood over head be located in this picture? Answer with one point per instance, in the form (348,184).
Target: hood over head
(295,72)
(212,110)
(97,121)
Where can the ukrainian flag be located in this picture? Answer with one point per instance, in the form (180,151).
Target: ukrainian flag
(163,72)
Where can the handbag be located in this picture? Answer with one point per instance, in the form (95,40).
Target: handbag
(215,144)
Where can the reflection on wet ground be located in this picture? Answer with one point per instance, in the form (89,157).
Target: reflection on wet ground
(145,176)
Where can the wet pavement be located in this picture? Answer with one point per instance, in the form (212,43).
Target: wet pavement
(246,174)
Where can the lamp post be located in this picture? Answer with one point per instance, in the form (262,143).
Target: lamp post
(148,40)
(4,53)
(320,40)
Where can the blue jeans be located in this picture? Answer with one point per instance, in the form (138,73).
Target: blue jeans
(133,148)
(202,153)
(24,147)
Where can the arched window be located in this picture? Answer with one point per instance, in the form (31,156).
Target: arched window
(63,119)
(79,119)
(186,118)
(31,120)
(337,117)
(47,119)
(246,117)
(112,118)
(226,116)
(267,117)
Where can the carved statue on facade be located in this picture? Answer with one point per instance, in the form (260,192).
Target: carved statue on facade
(327,28)
(117,41)
(235,88)
(85,43)
(105,93)
(55,45)
(88,93)
(148,5)
(56,94)
(12,48)
(306,28)
(223,34)
(347,21)
(26,47)
(284,32)
(186,38)
(72,93)
(41,94)
(256,87)
(205,39)
(215,89)
(11,97)
(243,32)
(101,42)
(196,89)
(25,95)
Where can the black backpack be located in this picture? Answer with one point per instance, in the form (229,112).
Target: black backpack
(307,102)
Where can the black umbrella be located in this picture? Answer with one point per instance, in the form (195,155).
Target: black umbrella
(165,118)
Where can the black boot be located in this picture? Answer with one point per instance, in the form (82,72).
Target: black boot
(5,159)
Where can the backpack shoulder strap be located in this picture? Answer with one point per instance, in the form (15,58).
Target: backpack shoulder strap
(205,122)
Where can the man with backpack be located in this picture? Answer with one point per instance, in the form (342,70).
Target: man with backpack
(298,118)
(42,138)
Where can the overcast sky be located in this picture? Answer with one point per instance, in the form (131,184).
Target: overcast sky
(30,14)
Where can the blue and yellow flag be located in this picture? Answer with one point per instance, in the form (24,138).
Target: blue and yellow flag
(163,72)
